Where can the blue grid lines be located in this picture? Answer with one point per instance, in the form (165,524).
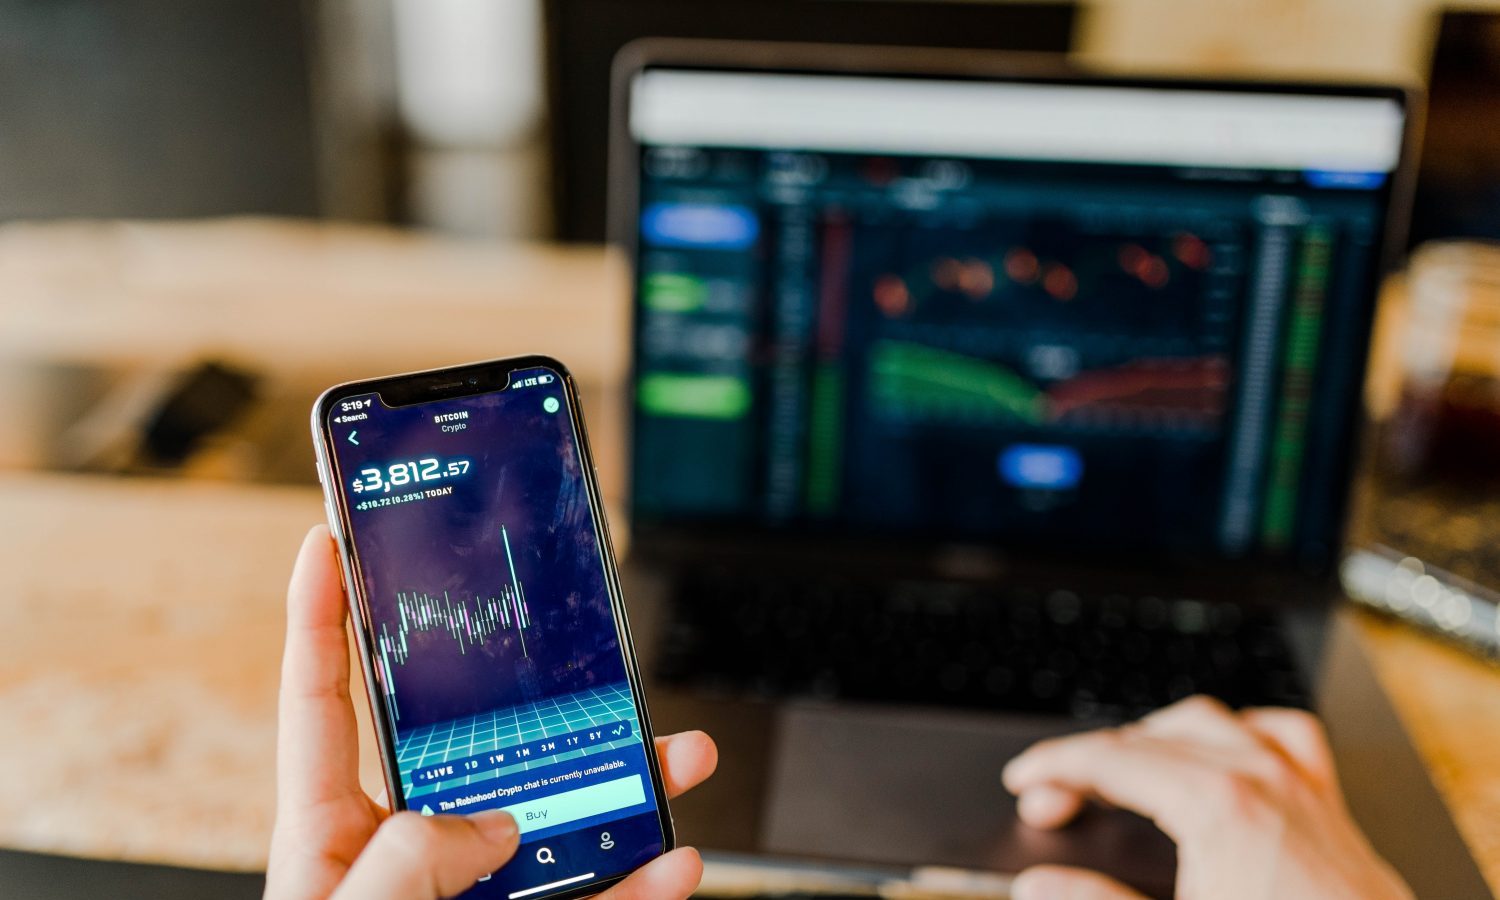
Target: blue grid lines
(434,745)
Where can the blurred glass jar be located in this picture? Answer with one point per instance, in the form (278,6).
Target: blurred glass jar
(1446,425)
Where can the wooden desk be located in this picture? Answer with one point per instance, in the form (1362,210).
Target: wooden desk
(1449,702)
(93,307)
(140,657)
(276,295)
(139,665)
(142,619)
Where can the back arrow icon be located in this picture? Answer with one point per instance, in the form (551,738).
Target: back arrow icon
(352,439)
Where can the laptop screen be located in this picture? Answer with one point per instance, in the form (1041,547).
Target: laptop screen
(1077,316)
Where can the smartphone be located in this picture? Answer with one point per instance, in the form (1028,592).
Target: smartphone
(487,606)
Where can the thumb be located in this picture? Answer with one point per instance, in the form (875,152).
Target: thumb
(415,857)
(1064,883)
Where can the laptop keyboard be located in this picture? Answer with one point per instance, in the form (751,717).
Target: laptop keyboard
(1039,651)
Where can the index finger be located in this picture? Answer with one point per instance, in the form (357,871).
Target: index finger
(1125,768)
(673,876)
(1300,737)
(317,741)
(687,759)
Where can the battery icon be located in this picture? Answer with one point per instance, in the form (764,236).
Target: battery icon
(544,379)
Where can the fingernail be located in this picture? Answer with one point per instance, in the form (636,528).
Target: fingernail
(1013,771)
(1035,805)
(1032,885)
(495,824)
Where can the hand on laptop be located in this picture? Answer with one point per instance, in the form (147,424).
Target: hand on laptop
(333,840)
(1251,799)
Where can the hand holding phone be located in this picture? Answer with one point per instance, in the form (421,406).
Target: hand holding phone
(530,638)
(326,827)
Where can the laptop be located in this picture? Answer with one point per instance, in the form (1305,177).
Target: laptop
(976,401)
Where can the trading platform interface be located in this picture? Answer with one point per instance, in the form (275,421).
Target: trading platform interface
(1085,317)
(495,643)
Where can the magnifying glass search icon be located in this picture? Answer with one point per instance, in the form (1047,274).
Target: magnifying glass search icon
(544,856)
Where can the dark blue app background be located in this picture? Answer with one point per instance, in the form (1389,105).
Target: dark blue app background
(495,644)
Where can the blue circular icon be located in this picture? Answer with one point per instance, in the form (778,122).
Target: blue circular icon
(551,405)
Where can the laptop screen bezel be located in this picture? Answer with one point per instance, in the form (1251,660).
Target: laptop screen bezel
(669,542)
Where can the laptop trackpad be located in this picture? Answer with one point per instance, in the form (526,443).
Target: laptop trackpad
(923,788)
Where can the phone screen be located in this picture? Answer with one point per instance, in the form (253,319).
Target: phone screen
(494,641)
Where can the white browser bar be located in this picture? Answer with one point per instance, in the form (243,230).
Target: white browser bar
(1105,124)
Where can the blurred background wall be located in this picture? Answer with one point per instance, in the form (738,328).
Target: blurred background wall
(488,119)
(482,116)
(101,102)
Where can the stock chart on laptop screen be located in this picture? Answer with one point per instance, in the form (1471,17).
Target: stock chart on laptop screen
(1079,315)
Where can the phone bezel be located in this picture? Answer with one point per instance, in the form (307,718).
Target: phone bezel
(446,384)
